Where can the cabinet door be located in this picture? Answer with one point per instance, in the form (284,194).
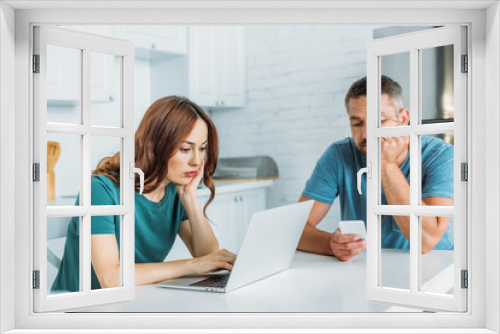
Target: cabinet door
(63,75)
(249,202)
(179,250)
(168,39)
(222,214)
(231,66)
(202,66)
(104,71)
(62,80)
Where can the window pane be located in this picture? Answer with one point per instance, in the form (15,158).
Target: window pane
(105,90)
(106,235)
(395,98)
(63,84)
(63,169)
(106,148)
(394,263)
(437,172)
(437,104)
(395,170)
(438,264)
(62,238)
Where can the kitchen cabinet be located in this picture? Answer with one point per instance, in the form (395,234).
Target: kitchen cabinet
(63,82)
(149,42)
(217,66)
(230,214)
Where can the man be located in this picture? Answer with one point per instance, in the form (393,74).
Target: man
(335,175)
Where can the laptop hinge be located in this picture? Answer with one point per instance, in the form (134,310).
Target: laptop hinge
(36,279)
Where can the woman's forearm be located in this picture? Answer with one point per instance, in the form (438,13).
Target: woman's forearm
(149,273)
(203,237)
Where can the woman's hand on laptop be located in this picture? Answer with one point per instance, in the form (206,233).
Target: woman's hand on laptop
(220,259)
(346,246)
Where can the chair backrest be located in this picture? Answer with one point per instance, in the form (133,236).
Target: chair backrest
(56,228)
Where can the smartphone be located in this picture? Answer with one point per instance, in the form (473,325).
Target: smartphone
(353,227)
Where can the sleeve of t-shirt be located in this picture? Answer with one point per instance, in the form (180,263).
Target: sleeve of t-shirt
(102,193)
(438,174)
(323,184)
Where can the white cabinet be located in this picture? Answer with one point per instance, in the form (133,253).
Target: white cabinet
(230,214)
(63,82)
(162,39)
(217,66)
(247,202)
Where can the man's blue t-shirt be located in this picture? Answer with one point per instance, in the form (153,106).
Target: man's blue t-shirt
(335,175)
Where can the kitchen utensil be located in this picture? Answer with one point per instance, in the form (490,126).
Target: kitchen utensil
(53,153)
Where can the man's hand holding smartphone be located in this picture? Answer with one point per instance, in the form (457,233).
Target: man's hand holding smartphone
(348,240)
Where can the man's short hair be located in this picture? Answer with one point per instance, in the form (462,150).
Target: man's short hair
(389,87)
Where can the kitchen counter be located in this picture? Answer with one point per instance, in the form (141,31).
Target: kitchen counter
(227,187)
(314,283)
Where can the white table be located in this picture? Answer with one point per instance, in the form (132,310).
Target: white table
(314,283)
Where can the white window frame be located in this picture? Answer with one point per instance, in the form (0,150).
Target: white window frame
(412,44)
(86,44)
(483,100)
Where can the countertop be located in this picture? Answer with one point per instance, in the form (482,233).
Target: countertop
(220,188)
(314,283)
(228,187)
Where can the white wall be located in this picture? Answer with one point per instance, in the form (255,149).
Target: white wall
(297,78)
(8,185)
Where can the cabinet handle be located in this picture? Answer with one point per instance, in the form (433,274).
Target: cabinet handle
(241,199)
(235,198)
(112,97)
(222,103)
(153,45)
(217,103)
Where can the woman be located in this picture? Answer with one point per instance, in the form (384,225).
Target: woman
(175,147)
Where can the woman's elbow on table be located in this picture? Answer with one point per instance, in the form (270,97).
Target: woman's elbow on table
(109,279)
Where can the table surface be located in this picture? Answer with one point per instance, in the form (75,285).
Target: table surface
(313,283)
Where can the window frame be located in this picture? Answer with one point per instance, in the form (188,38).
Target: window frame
(479,274)
(86,44)
(413,44)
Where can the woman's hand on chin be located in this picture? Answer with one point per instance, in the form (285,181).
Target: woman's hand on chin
(190,188)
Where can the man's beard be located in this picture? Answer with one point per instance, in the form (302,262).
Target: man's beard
(362,148)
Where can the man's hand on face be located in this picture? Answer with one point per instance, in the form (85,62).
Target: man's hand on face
(345,247)
(392,148)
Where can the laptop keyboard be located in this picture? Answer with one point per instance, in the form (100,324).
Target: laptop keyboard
(218,281)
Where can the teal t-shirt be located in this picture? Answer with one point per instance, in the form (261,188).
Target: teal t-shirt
(335,175)
(156,226)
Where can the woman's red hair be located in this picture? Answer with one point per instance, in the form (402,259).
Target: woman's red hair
(166,123)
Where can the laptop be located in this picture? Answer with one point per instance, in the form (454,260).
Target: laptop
(268,248)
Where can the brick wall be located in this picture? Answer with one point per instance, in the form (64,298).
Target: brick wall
(297,78)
